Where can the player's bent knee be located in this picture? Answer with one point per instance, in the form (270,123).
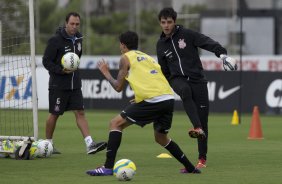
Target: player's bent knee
(79,113)
(117,124)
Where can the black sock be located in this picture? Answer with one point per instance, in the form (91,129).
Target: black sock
(113,145)
(174,149)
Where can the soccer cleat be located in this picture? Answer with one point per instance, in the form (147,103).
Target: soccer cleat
(197,133)
(96,147)
(195,171)
(55,151)
(100,171)
(201,163)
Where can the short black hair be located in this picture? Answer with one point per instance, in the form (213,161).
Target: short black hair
(129,39)
(75,14)
(167,12)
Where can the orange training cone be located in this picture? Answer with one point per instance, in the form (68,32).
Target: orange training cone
(255,130)
(235,118)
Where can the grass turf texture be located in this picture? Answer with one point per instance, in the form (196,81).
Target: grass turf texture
(232,158)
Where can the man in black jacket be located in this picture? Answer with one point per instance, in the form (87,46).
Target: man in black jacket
(177,52)
(64,85)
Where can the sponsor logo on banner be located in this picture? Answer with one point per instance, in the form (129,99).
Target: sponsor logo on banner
(99,89)
(274,94)
(15,88)
(222,94)
(102,89)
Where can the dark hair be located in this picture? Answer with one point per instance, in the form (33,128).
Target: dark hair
(166,13)
(72,14)
(129,39)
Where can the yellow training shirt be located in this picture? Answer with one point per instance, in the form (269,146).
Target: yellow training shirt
(145,76)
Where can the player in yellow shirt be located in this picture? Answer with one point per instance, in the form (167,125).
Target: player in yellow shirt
(153,103)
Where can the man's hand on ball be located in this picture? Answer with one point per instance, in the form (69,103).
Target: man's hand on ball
(67,71)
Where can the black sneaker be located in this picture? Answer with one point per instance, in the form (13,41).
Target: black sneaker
(96,147)
(195,171)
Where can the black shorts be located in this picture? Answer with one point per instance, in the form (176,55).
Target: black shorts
(64,100)
(143,113)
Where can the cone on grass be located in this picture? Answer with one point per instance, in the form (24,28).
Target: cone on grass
(235,118)
(164,155)
(255,129)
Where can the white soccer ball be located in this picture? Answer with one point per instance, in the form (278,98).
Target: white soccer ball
(124,170)
(70,61)
(41,149)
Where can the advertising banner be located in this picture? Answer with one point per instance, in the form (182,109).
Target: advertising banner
(227,91)
(243,90)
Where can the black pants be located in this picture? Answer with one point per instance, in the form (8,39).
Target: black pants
(195,100)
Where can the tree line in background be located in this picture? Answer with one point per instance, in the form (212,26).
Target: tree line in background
(100,31)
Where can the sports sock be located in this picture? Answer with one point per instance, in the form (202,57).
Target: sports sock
(88,140)
(113,145)
(174,149)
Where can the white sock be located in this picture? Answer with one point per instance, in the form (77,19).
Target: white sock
(50,140)
(88,140)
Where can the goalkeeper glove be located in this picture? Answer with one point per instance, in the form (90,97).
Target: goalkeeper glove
(229,63)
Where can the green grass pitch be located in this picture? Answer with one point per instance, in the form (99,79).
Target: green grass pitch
(232,158)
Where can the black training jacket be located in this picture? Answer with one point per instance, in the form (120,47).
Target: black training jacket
(57,46)
(179,57)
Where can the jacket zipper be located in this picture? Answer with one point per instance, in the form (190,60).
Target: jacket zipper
(73,43)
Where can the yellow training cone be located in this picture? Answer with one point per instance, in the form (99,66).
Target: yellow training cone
(235,118)
(164,155)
